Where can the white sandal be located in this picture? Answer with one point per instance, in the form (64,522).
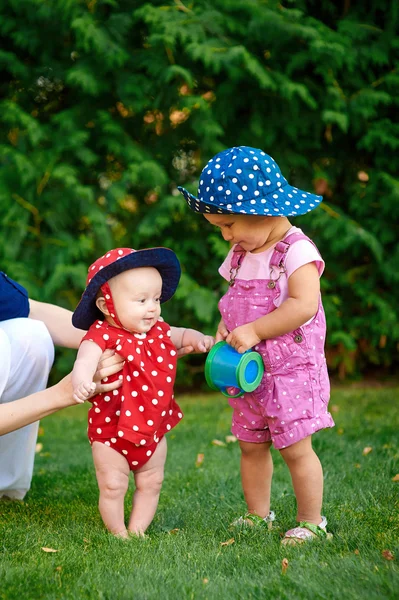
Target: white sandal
(306,532)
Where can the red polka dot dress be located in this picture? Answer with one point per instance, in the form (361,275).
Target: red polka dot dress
(134,418)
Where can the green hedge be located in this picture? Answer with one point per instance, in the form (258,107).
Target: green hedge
(107,106)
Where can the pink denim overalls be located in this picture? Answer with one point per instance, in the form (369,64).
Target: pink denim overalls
(292,399)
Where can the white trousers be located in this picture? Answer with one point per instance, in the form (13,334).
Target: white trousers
(26,357)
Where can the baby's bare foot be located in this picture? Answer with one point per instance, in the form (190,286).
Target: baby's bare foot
(121,534)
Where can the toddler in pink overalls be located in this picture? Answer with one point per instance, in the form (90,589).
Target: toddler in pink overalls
(273,305)
(121,309)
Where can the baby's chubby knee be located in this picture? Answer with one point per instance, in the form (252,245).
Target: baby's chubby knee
(112,483)
(151,480)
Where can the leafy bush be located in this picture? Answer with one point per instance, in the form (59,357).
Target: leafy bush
(108,106)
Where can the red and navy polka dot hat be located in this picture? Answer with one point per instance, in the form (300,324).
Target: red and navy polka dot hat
(248,181)
(117,261)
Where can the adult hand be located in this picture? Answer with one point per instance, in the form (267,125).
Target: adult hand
(242,338)
(19,413)
(109,364)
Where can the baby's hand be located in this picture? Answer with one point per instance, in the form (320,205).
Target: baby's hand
(242,338)
(83,391)
(195,341)
(204,343)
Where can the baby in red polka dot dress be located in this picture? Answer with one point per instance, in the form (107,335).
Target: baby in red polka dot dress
(121,309)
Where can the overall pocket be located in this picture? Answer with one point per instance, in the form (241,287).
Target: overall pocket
(324,384)
(287,352)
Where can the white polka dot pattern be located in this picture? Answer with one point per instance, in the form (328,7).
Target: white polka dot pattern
(149,407)
(244,180)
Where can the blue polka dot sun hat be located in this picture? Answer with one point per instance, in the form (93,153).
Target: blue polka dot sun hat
(248,181)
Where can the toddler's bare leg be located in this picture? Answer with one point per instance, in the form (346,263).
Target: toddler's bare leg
(307,479)
(256,476)
(112,471)
(148,481)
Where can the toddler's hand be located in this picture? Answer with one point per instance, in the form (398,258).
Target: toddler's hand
(242,338)
(83,391)
(222,332)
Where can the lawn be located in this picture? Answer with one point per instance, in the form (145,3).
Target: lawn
(184,555)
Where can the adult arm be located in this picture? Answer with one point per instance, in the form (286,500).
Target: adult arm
(19,413)
(58,321)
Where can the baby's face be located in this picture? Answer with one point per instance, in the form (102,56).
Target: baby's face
(250,231)
(136,294)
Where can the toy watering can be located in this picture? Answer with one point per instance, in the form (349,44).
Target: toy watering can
(225,368)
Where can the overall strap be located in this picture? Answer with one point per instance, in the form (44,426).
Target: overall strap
(236,261)
(277,261)
(280,251)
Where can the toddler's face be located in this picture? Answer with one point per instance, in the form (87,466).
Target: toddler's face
(136,294)
(250,231)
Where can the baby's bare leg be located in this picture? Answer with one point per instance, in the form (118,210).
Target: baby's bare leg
(112,471)
(256,476)
(307,479)
(148,487)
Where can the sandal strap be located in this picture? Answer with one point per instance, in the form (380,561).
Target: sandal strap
(257,520)
(316,529)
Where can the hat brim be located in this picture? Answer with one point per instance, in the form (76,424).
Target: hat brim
(162,259)
(287,201)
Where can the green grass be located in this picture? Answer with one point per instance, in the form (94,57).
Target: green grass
(60,512)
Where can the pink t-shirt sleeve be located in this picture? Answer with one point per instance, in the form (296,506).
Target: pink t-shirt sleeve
(301,253)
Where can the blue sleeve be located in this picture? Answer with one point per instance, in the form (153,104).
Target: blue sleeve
(14,300)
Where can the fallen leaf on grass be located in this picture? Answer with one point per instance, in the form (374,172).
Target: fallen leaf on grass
(356,551)
(86,541)
(228,543)
(284,565)
(174,531)
(58,568)
(395,477)
(39,448)
(41,431)
(218,443)
(387,554)
(367,450)
(200,460)
(49,550)
(205,580)
(230,439)
(334,408)
(358,466)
